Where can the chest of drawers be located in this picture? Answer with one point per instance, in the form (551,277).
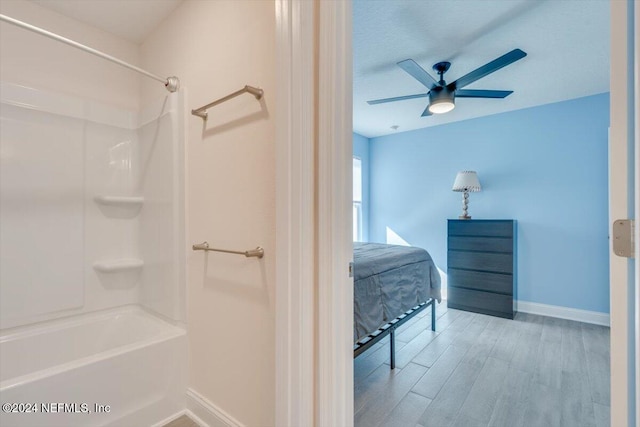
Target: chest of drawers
(482,266)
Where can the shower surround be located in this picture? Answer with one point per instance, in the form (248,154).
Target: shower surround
(91,255)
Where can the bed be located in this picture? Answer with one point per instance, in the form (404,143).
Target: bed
(391,285)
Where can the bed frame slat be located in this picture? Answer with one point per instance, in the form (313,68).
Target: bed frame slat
(389,329)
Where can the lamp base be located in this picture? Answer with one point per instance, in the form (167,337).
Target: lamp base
(465,206)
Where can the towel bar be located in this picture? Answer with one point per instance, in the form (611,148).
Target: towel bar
(258,252)
(202,111)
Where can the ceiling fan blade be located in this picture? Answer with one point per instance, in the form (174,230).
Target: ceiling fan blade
(471,93)
(426,112)
(398,98)
(418,73)
(495,65)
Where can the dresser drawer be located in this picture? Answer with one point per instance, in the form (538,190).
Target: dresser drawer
(484,244)
(481,266)
(484,261)
(480,302)
(481,281)
(481,228)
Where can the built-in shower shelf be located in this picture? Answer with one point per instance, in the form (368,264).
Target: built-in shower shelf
(124,201)
(118,265)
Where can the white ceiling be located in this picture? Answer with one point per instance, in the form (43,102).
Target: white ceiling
(132,20)
(567,43)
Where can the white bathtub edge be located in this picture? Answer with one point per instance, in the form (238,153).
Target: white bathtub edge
(56,324)
(43,373)
(170,331)
(206,414)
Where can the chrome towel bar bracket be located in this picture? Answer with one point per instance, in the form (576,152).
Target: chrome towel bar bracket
(202,111)
(258,252)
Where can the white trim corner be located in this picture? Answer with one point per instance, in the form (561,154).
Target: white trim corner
(173,417)
(206,414)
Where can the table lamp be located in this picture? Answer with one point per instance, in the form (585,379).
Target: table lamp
(466,181)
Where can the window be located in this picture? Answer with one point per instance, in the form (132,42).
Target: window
(357,199)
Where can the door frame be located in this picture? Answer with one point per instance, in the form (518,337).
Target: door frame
(295,218)
(314,294)
(313,348)
(621,206)
(636,102)
(334,400)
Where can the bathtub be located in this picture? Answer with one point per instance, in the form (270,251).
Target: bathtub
(121,367)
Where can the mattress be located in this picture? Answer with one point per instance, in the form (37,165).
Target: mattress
(389,280)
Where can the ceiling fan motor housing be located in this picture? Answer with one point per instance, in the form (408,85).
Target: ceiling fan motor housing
(441,100)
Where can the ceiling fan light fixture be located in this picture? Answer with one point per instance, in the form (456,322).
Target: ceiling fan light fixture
(441,100)
(442,95)
(442,107)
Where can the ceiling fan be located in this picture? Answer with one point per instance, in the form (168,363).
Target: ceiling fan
(442,95)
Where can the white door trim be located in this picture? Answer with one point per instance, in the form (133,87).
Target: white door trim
(295,227)
(636,68)
(314,348)
(619,204)
(335,201)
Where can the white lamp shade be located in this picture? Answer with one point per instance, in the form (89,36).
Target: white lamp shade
(467,181)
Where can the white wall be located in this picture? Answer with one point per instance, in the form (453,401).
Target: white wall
(215,48)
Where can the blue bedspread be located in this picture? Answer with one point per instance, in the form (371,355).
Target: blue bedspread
(389,280)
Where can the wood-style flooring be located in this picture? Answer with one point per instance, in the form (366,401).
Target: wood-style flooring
(484,371)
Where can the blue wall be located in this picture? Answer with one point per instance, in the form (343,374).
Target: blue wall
(361,150)
(544,166)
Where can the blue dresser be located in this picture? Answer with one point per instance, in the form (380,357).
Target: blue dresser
(482,266)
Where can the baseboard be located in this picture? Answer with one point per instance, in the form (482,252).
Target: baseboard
(594,317)
(205,413)
(171,418)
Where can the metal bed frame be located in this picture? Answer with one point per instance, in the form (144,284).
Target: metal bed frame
(390,329)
